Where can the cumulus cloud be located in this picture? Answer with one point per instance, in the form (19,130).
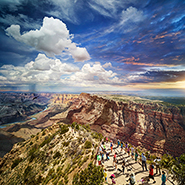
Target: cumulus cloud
(42,70)
(48,71)
(107,65)
(94,75)
(53,38)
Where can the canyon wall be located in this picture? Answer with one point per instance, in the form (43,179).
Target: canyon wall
(150,125)
(18,106)
(64,98)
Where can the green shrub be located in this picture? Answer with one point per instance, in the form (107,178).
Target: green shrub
(43,133)
(77,127)
(27,171)
(32,153)
(179,169)
(66,179)
(63,160)
(176,166)
(47,140)
(66,171)
(61,182)
(91,175)
(64,129)
(85,159)
(97,136)
(87,127)
(87,151)
(57,155)
(51,175)
(73,124)
(39,179)
(16,162)
(66,143)
(87,144)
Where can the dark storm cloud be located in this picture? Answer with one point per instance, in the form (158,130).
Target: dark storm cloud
(160,76)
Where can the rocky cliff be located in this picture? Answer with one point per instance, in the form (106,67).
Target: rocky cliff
(151,125)
(64,98)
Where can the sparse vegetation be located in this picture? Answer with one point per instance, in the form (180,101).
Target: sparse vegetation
(43,133)
(47,140)
(87,127)
(97,136)
(77,127)
(176,167)
(87,145)
(57,155)
(29,176)
(65,144)
(73,124)
(16,162)
(64,129)
(91,175)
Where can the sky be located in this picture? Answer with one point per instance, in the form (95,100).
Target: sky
(92,45)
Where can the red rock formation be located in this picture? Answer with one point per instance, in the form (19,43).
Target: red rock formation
(64,98)
(153,126)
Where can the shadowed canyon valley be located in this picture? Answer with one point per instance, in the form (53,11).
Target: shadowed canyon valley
(142,122)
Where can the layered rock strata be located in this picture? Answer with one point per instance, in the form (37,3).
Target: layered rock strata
(153,126)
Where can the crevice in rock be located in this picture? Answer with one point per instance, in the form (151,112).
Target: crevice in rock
(161,121)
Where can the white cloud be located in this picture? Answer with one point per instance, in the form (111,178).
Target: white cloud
(108,8)
(111,8)
(42,70)
(107,65)
(2,78)
(67,9)
(45,71)
(94,75)
(53,38)
(128,21)
(100,10)
(131,14)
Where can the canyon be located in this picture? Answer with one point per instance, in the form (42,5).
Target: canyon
(142,122)
(148,124)
(18,106)
(30,113)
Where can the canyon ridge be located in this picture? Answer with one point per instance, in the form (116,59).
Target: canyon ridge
(144,123)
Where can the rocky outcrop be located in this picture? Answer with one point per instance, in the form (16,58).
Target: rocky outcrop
(64,98)
(154,126)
